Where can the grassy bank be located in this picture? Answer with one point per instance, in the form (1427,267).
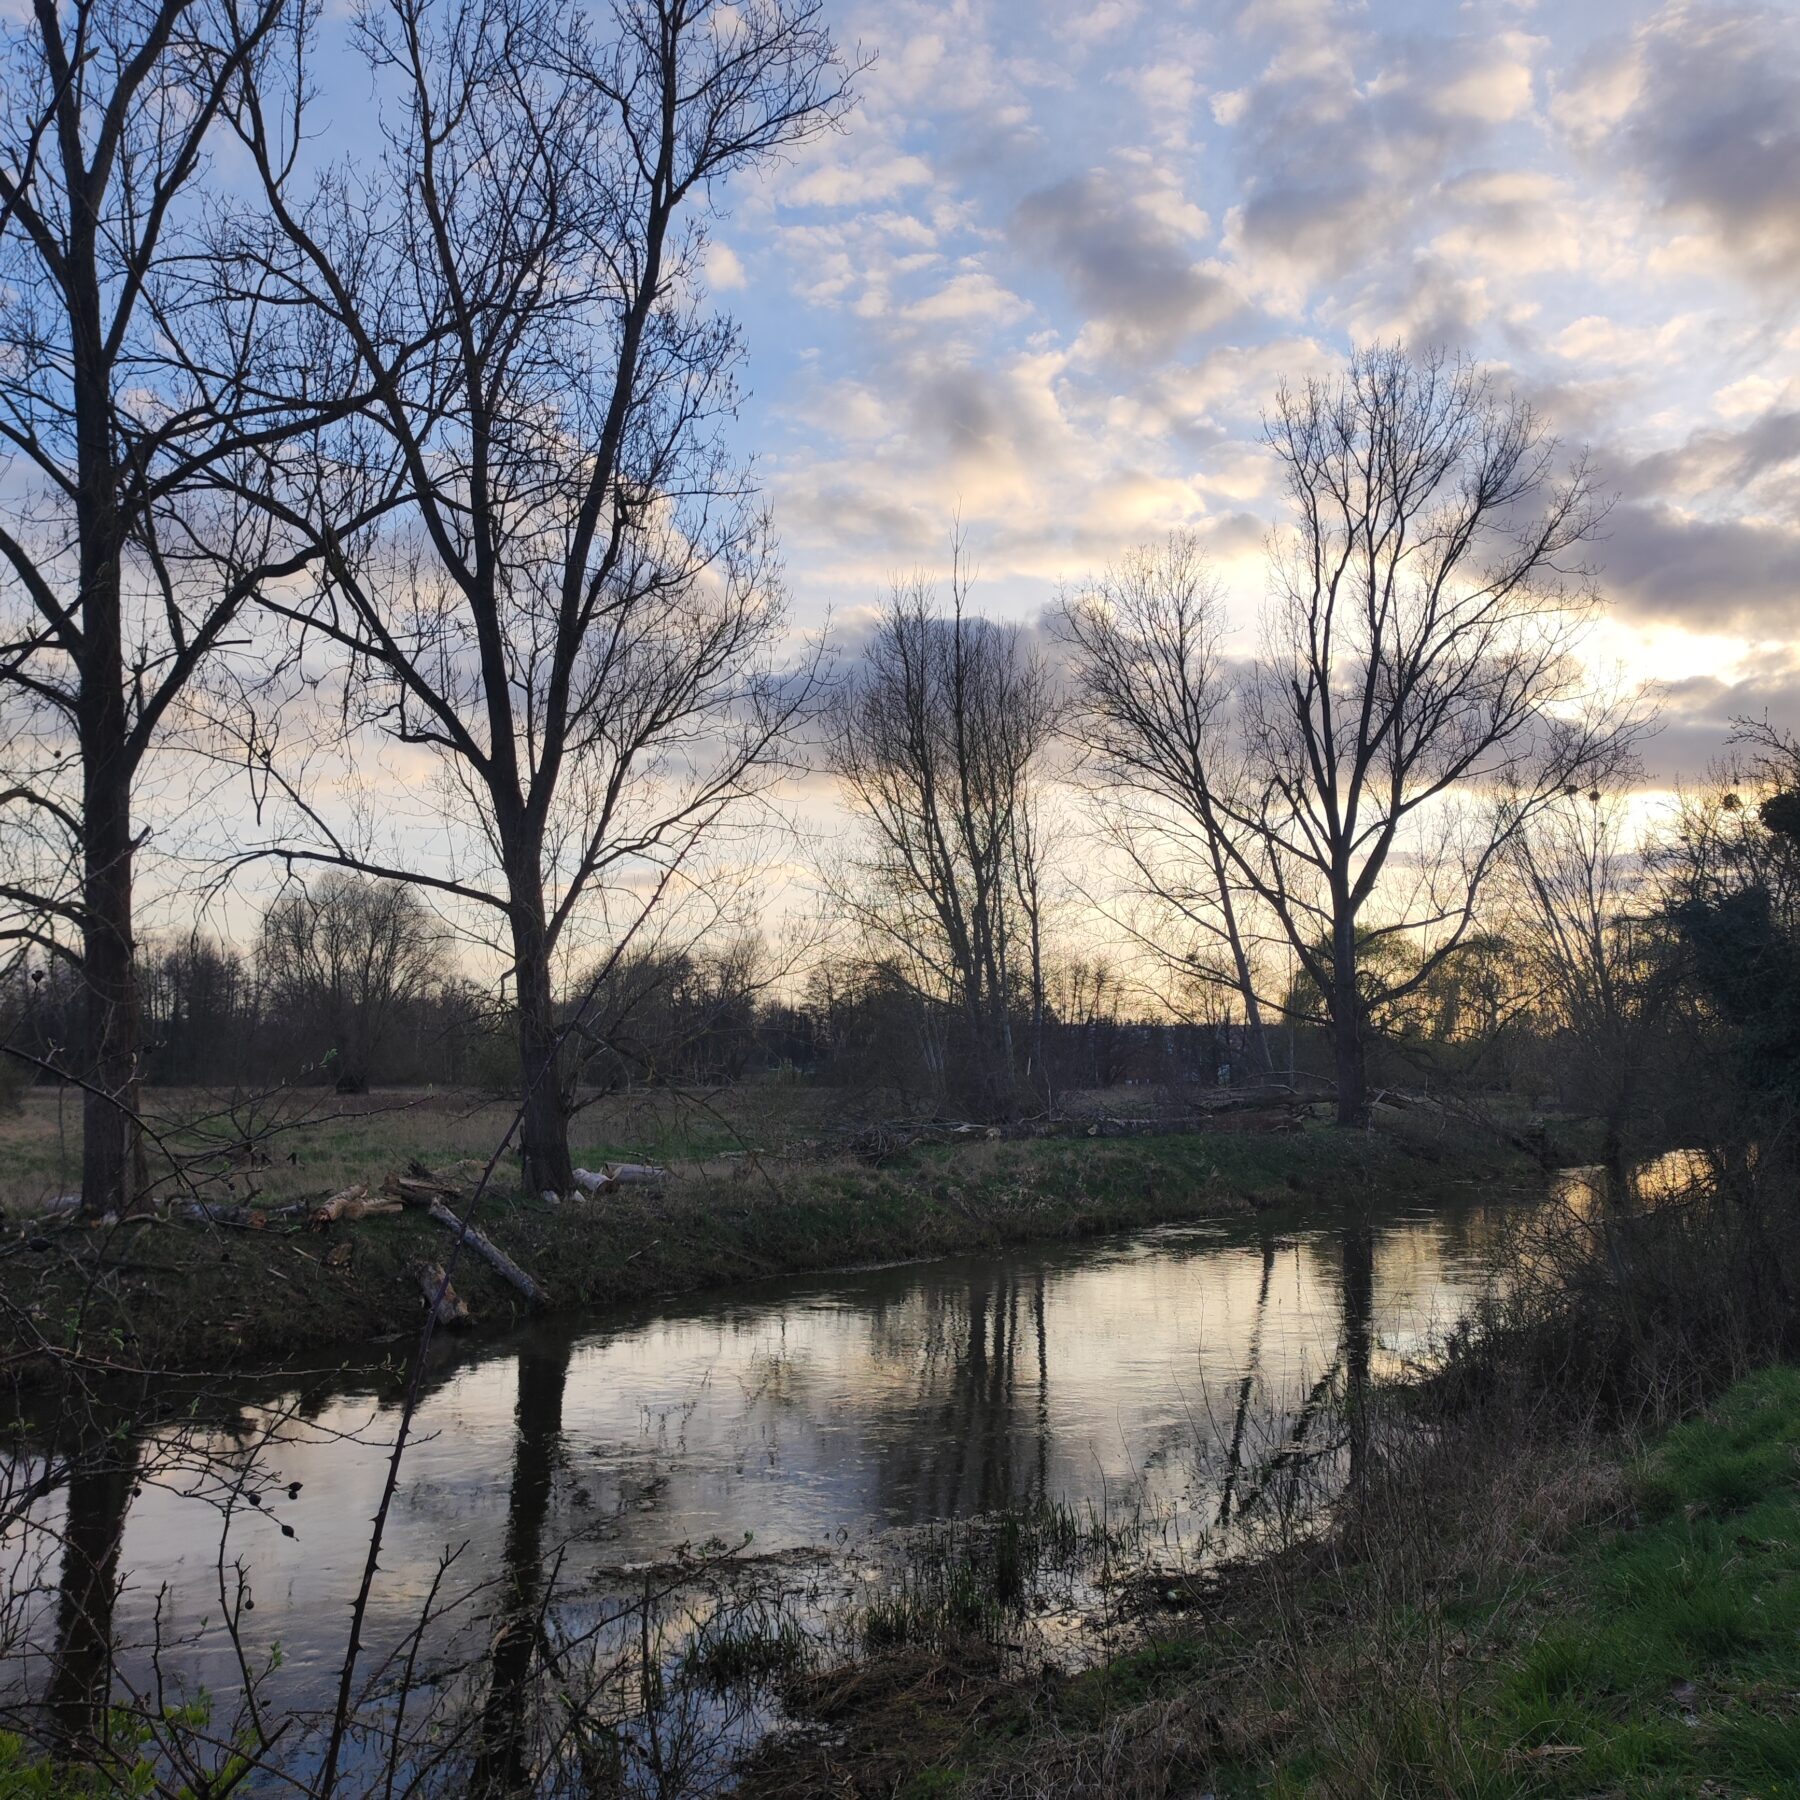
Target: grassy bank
(1494,1619)
(180,1294)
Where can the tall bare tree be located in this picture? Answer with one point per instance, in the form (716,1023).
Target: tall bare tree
(1155,719)
(940,741)
(124,389)
(1419,699)
(576,621)
(1416,703)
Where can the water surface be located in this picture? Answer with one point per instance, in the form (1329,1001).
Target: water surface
(819,1415)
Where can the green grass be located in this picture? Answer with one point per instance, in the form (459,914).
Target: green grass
(309,1141)
(1672,1654)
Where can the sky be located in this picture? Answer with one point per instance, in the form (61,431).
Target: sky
(1049,276)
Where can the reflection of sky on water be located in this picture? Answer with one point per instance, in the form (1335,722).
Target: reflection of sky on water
(804,1413)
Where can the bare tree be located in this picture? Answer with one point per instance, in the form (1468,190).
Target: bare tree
(1418,699)
(125,389)
(1594,949)
(940,740)
(1156,721)
(576,619)
(348,956)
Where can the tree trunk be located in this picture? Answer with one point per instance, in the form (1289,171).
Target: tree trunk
(544,1134)
(111,1151)
(1359,1337)
(1346,1027)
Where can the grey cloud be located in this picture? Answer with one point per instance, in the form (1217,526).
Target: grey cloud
(1706,574)
(960,410)
(1234,534)
(840,511)
(1716,459)
(1714,129)
(1333,165)
(1697,718)
(1129,271)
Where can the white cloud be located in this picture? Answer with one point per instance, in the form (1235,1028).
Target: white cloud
(723,270)
(975,295)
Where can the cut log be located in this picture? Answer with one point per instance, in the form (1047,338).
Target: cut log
(353,1203)
(329,1210)
(490,1253)
(418,1190)
(450,1308)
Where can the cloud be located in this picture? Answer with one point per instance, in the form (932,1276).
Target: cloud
(1699,714)
(1596,339)
(1517,221)
(974,296)
(1700,108)
(1124,245)
(723,269)
(859,180)
(1714,461)
(1708,574)
(1336,164)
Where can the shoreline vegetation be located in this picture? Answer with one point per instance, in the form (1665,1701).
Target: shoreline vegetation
(184,1294)
(1510,1613)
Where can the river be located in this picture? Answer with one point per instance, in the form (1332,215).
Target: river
(803,1424)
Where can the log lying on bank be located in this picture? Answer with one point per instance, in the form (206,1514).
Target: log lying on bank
(611,1175)
(489,1252)
(449,1308)
(352,1203)
(205,1212)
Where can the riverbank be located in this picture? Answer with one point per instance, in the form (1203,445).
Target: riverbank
(182,1295)
(1497,1615)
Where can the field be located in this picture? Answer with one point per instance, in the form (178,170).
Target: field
(308,1143)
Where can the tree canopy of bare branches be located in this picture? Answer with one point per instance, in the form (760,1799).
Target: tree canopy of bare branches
(1416,701)
(1156,721)
(348,955)
(571,601)
(940,740)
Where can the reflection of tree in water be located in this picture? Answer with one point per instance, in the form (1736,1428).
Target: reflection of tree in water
(502,1755)
(1240,1416)
(1305,1437)
(968,1438)
(101,1479)
(1358,1336)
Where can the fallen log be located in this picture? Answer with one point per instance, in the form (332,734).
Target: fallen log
(352,1203)
(490,1253)
(410,1191)
(449,1308)
(611,1175)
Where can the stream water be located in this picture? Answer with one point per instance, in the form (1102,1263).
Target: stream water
(821,1417)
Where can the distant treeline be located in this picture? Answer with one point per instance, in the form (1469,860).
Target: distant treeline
(347,987)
